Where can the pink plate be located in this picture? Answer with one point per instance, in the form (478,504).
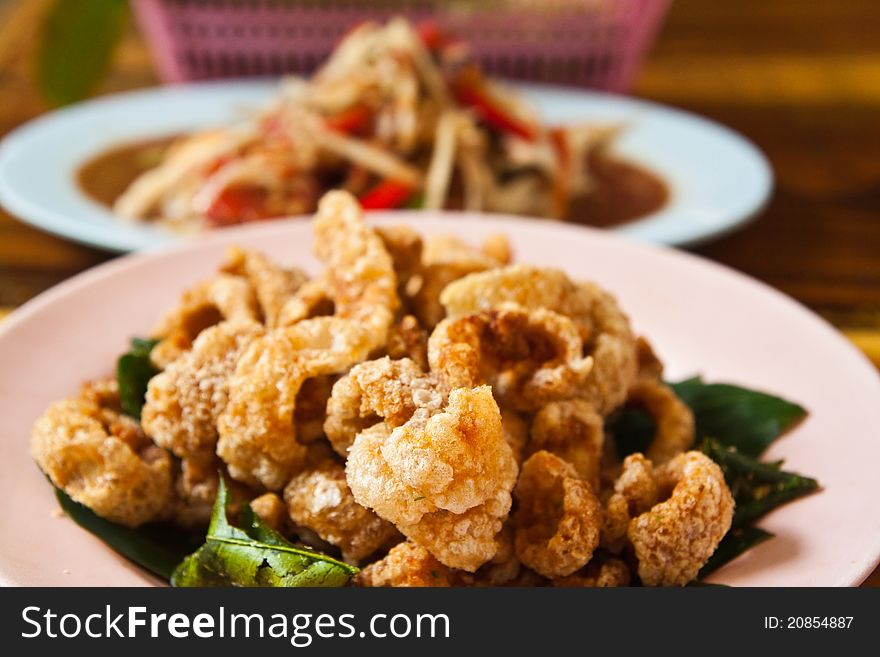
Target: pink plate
(702,318)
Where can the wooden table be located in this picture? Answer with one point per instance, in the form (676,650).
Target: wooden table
(799,78)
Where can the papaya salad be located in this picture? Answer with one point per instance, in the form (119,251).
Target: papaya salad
(399,116)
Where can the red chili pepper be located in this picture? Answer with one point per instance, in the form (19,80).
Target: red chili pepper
(238,204)
(387,195)
(350,121)
(432,36)
(475,96)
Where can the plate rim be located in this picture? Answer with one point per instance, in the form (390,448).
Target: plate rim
(860,567)
(55,222)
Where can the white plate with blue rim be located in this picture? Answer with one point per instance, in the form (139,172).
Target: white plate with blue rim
(717,180)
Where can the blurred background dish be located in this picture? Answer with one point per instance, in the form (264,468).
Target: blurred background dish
(715,178)
(401,114)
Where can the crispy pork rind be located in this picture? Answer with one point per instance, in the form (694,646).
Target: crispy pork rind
(378,390)
(575,432)
(257,426)
(311,408)
(673,420)
(612,346)
(529,357)
(516,433)
(272,285)
(450,250)
(184,402)
(406,565)
(312,299)
(409,564)
(615,524)
(636,484)
(446,259)
(319,499)
(501,570)
(610,467)
(404,245)
(525,285)
(605,329)
(271,509)
(195,487)
(558,518)
(649,364)
(359,271)
(224,297)
(407,339)
(601,572)
(635,492)
(257,429)
(443,478)
(676,537)
(463,540)
(103,459)
(497,247)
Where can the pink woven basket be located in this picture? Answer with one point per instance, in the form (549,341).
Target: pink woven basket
(591,43)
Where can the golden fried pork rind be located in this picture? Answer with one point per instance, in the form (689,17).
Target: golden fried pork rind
(195,486)
(637,484)
(378,390)
(575,432)
(463,540)
(612,346)
(558,518)
(443,478)
(635,492)
(272,285)
(312,299)
(649,364)
(184,402)
(407,339)
(256,428)
(516,433)
(676,537)
(674,421)
(525,285)
(501,570)
(359,271)
(270,508)
(602,572)
(319,499)
(224,297)
(406,565)
(404,245)
(529,357)
(311,408)
(604,328)
(102,459)
(446,259)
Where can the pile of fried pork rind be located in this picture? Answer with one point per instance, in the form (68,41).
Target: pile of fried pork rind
(424,408)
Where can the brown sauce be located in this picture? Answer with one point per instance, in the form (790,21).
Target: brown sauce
(623,192)
(108,174)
